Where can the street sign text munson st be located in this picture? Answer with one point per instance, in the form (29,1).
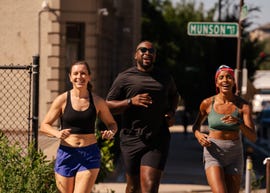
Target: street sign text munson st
(213,29)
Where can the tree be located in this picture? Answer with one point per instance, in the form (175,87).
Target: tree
(193,60)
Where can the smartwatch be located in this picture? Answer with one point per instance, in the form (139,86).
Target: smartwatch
(129,101)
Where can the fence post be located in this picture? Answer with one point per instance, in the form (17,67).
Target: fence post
(267,162)
(35,100)
(248,175)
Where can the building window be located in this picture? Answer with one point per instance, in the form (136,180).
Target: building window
(75,46)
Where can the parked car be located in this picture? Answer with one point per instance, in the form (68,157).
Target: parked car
(264,123)
(262,84)
(260,100)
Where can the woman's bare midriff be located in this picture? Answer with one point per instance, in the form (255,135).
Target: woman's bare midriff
(224,135)
(79,140)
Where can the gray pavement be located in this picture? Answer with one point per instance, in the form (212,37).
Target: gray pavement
(164,188)
(183,173)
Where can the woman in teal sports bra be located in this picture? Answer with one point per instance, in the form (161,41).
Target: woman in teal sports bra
(228,115)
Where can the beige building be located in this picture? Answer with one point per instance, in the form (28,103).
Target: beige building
(261,33)
(102,32)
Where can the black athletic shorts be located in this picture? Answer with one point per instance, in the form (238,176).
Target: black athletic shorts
(137,152)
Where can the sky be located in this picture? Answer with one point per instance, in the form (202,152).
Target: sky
(258,18)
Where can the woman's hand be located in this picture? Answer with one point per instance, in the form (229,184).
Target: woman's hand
(229,119)
(63,134)
(107,134)
(203,139)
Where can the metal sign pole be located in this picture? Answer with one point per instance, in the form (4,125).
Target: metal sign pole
(35,100)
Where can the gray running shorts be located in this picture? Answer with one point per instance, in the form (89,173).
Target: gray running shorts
(227,154)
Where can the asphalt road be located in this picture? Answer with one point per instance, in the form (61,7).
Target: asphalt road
(184,165)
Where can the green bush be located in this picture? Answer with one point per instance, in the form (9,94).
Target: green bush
(107,156)
(30,173)
(33,173)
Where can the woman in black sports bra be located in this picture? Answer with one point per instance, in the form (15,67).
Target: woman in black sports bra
(78,158)
(228,116)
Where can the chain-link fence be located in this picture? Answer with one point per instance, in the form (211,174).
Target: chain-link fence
(15,104)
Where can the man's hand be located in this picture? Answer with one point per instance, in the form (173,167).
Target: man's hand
(142,100)
(170,118)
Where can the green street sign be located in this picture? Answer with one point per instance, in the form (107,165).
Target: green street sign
(213,29)
(244,12)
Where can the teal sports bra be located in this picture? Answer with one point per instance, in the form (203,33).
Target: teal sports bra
(215,123)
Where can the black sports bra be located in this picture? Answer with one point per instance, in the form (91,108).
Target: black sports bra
(80,122)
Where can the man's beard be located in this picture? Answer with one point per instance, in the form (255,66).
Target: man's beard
(145,66)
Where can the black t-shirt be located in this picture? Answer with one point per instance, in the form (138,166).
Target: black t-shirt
(160,86)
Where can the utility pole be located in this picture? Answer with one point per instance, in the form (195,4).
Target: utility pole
(219,10)
(238,60)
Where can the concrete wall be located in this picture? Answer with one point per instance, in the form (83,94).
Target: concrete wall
(109,40)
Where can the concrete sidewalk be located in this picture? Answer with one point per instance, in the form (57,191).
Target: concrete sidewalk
(164,188)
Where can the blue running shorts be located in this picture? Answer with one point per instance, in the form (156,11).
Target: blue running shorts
(70,160)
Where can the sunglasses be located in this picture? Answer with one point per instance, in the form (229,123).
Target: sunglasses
(223,66)
(143,50)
